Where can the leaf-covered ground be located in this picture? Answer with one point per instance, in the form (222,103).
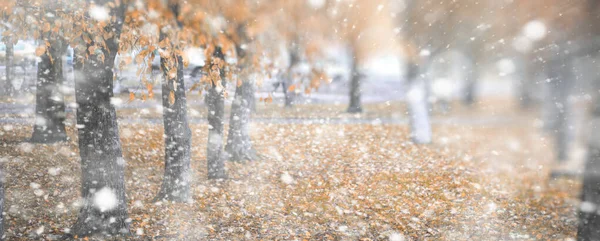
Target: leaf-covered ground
(315,182)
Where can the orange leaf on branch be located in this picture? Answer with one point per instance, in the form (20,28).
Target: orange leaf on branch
(292,88)
(40,50)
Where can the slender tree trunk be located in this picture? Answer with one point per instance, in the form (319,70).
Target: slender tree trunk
(561,81)
(239,146)
(214,154)
(50,106)
(178,138)
(418,107)
(215,100)
(355,103)
(525,82)
(9,68)
(289,79)
(469,90)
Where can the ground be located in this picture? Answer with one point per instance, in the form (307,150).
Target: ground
(485,177)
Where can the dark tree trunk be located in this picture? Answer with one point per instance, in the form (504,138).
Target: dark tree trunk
(239,146)
(525,82)
(289,79)
(104,209)
(104,205)
(216,109)
(9,68)
(470,88)
(178,138)
(589,218)
(355,104)
(50,106)
(561,81)
(418,107)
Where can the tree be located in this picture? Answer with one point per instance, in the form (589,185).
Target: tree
(47,28)
(355,105)
(104,209)
(50,106)
(93,29)
(239,146)
(6,12)
(215,99)
(178,136)
(417,90)
(9,57)
(589,218)
(364,26)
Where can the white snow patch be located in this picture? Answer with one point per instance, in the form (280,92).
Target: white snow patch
(116,101)
(587,207)
(99,13)
(287,178)
(443,87)
(40,230)
(26,147)
(397,237)
(215,138)
(105,199)
(53,171)
(126,133)
(34,185)
(138,204)
(506,67)
(491,207)
(40,121)
(38,192)
(316,3)
(425,52)
(535,30)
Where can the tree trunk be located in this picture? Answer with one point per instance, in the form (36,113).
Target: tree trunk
(50,106)
(355,104)
(289,79)
(239,146)
(561,81)
(525,82)
(104,205)
(589,218)
(470,87)
(8,88)
(215,100)
(420,127)
(178,138)
(214,153)
(104,209)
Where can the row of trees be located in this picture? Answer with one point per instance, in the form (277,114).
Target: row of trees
(100,30)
